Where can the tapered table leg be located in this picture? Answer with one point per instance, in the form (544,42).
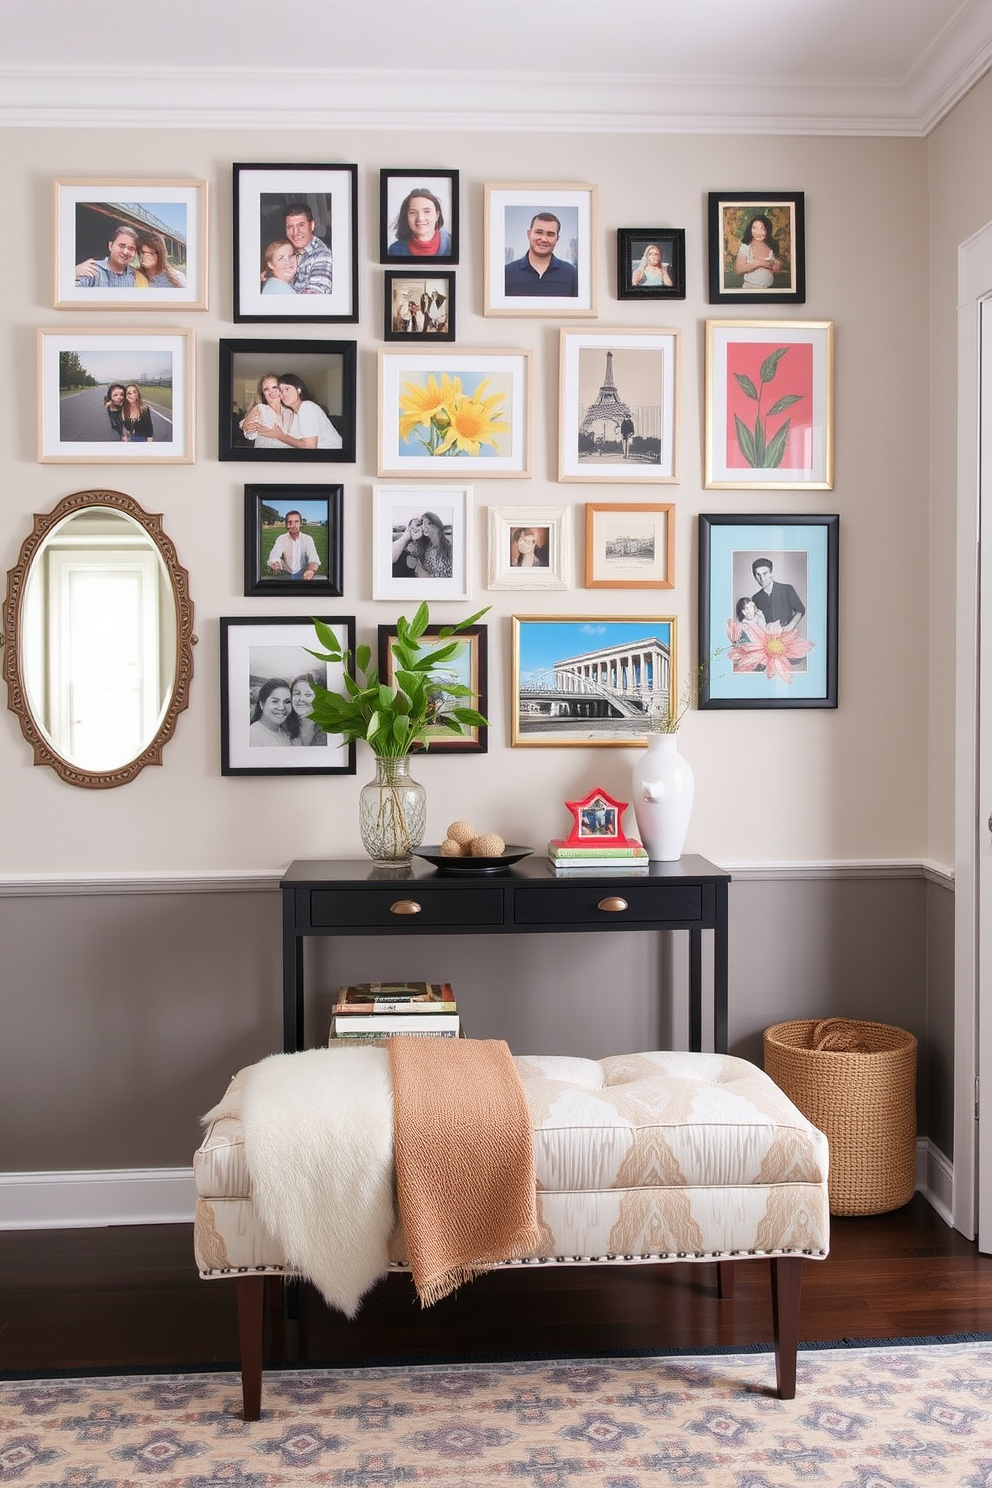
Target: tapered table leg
(251,1299)
(787,1281)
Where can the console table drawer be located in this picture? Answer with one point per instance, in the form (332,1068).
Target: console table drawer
(407,906)
(577,904)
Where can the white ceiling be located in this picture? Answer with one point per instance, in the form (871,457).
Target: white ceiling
(784,66)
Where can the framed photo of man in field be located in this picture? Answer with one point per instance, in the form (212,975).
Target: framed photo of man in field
(293,539)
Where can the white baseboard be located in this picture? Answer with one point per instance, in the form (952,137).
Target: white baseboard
(935,1178)
(117,1196)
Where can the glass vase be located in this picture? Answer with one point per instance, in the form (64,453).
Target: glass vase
(392,813)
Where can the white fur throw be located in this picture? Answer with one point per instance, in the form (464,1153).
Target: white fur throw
(334,1218)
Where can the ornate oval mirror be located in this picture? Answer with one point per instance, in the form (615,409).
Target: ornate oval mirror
(98,639)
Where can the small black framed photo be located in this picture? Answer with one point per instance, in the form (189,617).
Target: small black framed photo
(768,587)
(418,215)
(295,243)
(418,305)
(757,247)
(650,263)
(287,400)
(469,667)
(293,540)
(267,679)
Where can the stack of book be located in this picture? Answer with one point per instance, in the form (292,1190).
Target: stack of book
(371,1011)
(566,857)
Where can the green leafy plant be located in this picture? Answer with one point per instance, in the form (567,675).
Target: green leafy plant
(760,452)
(393,716)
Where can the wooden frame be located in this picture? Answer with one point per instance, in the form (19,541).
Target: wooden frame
(398,541)
(470,667)
(173,215)
(267,518)
(78,372)
(547,534)
(630,546)
(768,586)
(573,284)
(585,680)
(329,193)
(396,187)
(328,368)
(255,652)
(418,304)
(769,405)
(619,406)
(639,277)
(782,217)
(421,395)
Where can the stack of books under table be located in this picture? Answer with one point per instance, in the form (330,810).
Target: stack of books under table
(570,857)
(372,1011)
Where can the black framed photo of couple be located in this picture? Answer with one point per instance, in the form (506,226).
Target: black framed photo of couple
(130,244)
(287,400)
(267,679)
(469,667)
(295,243)
(418,305)
(768,611)
(421,541)
(294,540)
(650,263)
(757,247)
(418,216)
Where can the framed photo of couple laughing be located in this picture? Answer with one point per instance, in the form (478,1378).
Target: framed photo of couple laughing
(295,243)
(130,244)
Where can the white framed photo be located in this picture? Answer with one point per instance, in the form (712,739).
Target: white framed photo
(540,250)
(109,396)
(421,542)
(452,413)
(530,547)
(130,244)
(619,406)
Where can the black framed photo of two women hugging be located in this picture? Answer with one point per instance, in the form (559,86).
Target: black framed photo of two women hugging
(757,247)
(287,400)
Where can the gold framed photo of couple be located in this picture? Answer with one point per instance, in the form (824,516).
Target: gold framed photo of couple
(418,305)
(650,263)
(757,247)
(286,400)
(530,547)
(454,413)
(295,243)
(418,216)
(130,244)
(540,250)
(294,540)
(421,542)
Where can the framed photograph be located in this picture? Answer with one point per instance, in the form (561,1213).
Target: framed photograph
(591,679)
(769,405)
(130,244)
(757,242)
(287,400)
(454,413)
(530,547)
(469,667)
(267,677)
(418,306)
(296,243)
(619,406)
(650,263)
(630,547)
(540,250)
(294,540)
(106,396)
(421,542)
(768,611)
(418,215)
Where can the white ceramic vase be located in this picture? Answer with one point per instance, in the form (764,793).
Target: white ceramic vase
(662,788)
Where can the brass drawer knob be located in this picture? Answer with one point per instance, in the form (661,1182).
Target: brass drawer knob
(613,905)
(405,907)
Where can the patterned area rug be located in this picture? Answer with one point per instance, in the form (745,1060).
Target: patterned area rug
(875,1417)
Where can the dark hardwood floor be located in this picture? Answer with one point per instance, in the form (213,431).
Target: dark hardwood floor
(130,1296)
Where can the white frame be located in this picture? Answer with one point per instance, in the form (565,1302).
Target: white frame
(581,199)
(666,344)
(75,190)
(398,503)
(339,182)
(120,344)
(396,364)
(502,574)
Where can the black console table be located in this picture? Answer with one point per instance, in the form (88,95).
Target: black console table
(351,897)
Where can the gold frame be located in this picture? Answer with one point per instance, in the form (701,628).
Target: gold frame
(539,195)
(618,509)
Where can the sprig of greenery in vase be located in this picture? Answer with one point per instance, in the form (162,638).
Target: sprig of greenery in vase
(670,721)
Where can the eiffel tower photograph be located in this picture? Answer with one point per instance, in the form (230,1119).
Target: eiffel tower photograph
(620,408)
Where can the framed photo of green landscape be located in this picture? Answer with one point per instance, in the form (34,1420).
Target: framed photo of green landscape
(293,540)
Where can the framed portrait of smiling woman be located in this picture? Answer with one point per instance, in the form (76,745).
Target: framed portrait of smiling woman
(418,217)
(757,247)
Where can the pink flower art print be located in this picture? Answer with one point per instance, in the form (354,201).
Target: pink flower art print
(755,647)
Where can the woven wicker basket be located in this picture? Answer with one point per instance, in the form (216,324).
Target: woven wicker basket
(856,1081)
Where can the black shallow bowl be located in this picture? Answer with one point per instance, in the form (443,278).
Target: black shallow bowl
(511,854)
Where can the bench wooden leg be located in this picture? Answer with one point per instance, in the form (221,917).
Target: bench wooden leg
(787,1281)
(251,1298)
(726,1274)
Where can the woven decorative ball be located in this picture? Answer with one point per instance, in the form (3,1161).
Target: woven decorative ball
(461,831)
(488,845)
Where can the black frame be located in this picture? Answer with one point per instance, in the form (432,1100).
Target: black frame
(476,741)
(232,625)
(416,178)
(629,241)
(391,278)
(293,354)
(325,581)
(349,173)
(713,647)
(754,202)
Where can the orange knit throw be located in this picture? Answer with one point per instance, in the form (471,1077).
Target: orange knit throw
(464,1160)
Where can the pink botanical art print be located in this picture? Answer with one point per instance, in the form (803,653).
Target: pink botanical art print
(769,405)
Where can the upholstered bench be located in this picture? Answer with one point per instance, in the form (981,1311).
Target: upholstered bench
(639,1158)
